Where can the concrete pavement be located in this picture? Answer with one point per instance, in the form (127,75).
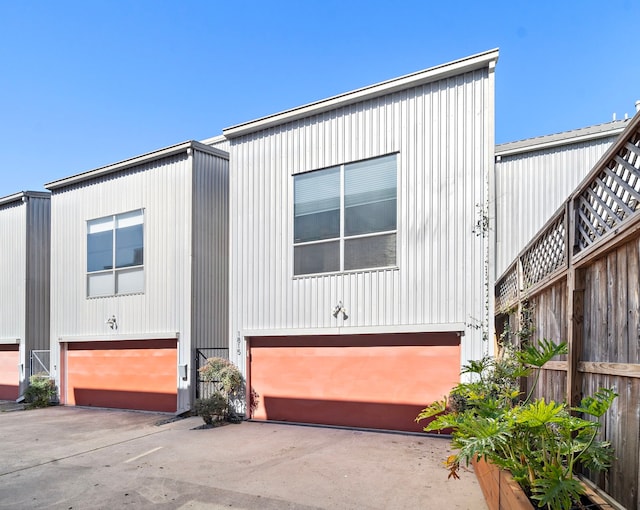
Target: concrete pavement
(75,458)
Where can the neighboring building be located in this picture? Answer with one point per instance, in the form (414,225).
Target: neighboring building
(24,289)
(358,273)
(140,277)
(534,177)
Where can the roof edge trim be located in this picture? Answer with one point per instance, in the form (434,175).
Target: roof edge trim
(558,142)
(213,139)
(439,72)
(135,161)
(22,195)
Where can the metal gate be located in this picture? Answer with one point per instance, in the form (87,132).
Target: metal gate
(204,389)
(40,362)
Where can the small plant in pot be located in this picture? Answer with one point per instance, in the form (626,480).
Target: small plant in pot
(539,442)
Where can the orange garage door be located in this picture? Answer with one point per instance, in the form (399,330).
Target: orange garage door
(9,375)
(135,374)
(372,381)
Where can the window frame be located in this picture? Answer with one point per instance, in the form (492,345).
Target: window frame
(114,270)
(342,238)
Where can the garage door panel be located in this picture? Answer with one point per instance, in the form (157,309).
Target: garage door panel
(343,413)
(9,372)
(365,381)
(124,374)
(139,400)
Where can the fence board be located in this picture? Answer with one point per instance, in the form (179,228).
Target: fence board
(633,303)
(621,307)
(591,299)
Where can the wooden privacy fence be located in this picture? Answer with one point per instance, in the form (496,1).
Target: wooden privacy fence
(578,281)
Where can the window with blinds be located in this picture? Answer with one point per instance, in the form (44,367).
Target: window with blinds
(345,217)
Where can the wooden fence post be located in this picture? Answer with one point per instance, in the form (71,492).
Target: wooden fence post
(575,312)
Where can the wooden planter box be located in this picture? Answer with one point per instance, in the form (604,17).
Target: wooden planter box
(502,492)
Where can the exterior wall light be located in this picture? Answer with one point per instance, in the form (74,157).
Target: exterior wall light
(112,322)
(340,309)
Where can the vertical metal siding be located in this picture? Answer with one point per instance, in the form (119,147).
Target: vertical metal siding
(37,274)
(223,144)
(210,282)
(164,189)
(443,150)
(531,186)
(13,239)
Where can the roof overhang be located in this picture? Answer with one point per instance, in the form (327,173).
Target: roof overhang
(213,140)
(457,67)
(138,160)
(23,196)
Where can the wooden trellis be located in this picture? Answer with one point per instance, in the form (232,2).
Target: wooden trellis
(547,253)
(507,290)
(610,196)
(580,275)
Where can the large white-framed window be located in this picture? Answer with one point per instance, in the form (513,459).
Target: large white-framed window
(345,217)
(115,254)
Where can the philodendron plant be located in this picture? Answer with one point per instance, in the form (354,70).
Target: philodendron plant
(539,442)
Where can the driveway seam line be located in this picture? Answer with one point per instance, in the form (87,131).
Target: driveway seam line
(80,453)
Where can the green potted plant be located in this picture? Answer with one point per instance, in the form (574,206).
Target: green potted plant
(540,443)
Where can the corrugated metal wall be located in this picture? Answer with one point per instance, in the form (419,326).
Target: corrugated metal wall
(531,186)
(210,310)
(38,273)
(163,188)
(218,143)
(13,255)
(443,133)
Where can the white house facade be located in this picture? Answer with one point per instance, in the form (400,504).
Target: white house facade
(359,265)
(139,251)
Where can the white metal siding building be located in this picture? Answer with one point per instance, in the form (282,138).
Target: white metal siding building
(24,286)
(437,126)
(140,257)
(535,176)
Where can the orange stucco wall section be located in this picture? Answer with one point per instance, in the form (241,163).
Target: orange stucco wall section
(9,372)
(136,374)
(372,381)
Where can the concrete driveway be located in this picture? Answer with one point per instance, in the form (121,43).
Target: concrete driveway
(77,458)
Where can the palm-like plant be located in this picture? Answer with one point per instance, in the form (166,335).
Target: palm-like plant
(539,442)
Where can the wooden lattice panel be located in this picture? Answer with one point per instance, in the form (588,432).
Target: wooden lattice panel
(547,253)
(611,197)
(507,289)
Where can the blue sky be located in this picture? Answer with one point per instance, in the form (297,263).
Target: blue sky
(85,84)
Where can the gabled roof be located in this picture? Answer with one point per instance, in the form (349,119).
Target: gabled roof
(24,196)
(138,160)
(608,129)
(457,67)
